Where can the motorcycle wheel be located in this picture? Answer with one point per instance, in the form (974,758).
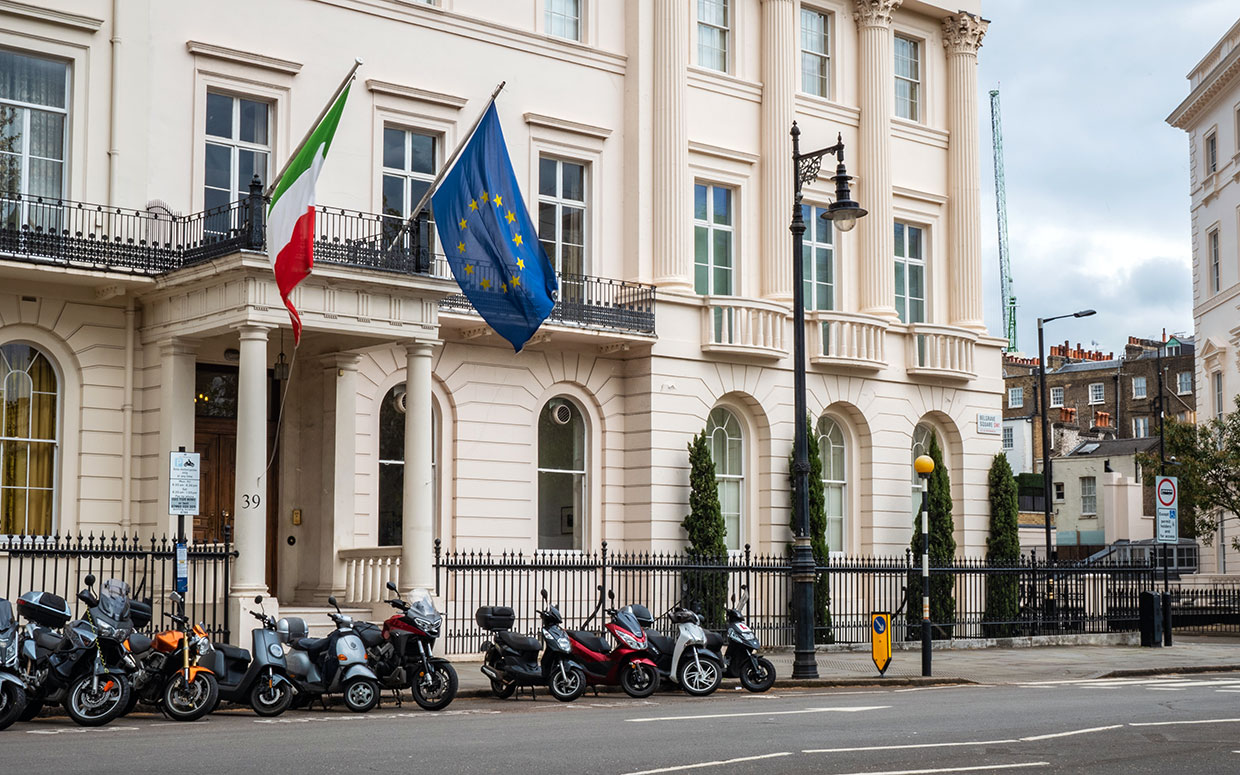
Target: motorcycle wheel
(12,703)
(436,691)
(699,677)
(130,704)
(361,694)
(190,701)
(639,680)
(758,675)
(270,700)
(91,708)
(34,704)
(503,690)
(570,688)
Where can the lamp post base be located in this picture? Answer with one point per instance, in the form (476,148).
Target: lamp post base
(804,663)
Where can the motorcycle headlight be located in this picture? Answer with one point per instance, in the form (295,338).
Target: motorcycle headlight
(563,643)
(428,626)
(628,639)
(8,652)
(203,646)
(276,650)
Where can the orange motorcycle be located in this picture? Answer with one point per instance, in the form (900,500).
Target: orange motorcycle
(168,675)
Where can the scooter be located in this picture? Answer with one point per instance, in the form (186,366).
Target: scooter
(628,664)
(12,688)
(83,667)
(337,663)
(511,660)
(400,651)
(757,674)
(170,675)
(687,660)
(261,680)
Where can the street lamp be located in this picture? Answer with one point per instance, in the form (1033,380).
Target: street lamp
(844,212)
(1046,446)
(924,466)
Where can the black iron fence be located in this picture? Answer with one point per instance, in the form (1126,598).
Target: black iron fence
(1209,609)
(1049,599)
(60,564)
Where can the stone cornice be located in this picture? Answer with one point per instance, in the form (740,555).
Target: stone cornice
(1210,87)
(551,122)
(963,33)
(418,95)
(62,18)
(243,57)
(874,13)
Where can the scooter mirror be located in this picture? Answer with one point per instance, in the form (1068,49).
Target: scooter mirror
(544,594)
(611,595)
(175,597)
(332,601)
(391,586)
(258,599)
(90,579)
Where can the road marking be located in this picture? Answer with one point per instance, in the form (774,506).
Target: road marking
(1165,688)
(1069,734)
(373,716)
(986,767)
(711,764)
(1176,723)
(909,746)
(761,713)
(79,730)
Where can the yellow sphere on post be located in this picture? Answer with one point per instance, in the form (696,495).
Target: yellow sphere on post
(923,465)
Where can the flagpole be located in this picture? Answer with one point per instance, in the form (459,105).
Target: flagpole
(460,146)
(314,125)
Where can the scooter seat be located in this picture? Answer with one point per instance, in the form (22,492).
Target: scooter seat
(312,646)
(518,642)
(661,642)
(714,641)
(232,653)
(139,643)
(590,641)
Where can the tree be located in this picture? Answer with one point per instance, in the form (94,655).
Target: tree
(817,532)
(1207,465)
(705,589)
(942,553)
(1002,550)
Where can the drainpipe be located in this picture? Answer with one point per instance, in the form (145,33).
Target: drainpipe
(113,119)
(127,421)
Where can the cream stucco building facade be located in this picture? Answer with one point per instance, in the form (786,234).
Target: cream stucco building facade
(1211,117)
(651,140)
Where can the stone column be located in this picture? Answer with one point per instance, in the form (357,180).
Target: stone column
(250,504)
(779,87)
(417,508)
(672,194)
(962,37)
(176,419)
(876,264)
(339,534)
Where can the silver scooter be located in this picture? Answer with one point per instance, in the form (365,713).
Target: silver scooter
(332,665)
(688,660)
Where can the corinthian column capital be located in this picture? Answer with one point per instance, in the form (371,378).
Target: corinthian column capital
(963,33)
(874,13)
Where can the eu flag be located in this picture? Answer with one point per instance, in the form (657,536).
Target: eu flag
(489,239)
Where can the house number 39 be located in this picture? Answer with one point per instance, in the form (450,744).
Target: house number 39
(249,501)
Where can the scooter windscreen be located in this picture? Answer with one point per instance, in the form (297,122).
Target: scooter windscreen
(112,612)
(422,611)
(6,615)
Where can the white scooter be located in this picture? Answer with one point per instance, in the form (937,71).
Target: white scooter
(687,661)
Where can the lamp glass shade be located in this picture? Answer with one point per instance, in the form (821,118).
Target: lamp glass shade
(924,464)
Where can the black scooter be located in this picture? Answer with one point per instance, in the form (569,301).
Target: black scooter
(511,660)
(12,688)
(259,677)
(757,674)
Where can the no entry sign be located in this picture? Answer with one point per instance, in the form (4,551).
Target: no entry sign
(1167,495)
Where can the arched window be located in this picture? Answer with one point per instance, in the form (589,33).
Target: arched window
(921,446)
(831,450)
(29,393)
(392,466)
(561,476)
(727,450)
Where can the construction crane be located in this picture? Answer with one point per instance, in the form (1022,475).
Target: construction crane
(1005,265)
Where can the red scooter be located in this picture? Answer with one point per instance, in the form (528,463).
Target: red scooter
(629,664)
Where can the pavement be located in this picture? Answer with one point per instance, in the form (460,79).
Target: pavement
(998,665)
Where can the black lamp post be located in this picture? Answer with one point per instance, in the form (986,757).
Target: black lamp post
(1046,442)
(924,466)
(844,212)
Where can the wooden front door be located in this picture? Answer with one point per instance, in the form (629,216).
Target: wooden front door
(216,441)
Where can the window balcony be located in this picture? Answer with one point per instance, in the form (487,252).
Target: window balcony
(740,326)
(940,351)
(846,340)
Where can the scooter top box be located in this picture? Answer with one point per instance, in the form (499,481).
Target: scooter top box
(44,608)
(495,617)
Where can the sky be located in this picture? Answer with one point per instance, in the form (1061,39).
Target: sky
(1097,181)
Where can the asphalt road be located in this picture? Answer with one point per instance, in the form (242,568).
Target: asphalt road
(1166,724)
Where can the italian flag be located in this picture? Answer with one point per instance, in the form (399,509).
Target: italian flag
(290,216)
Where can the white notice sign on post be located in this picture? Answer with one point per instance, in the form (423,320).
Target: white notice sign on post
(989,423)
(183,484)
(1167,502)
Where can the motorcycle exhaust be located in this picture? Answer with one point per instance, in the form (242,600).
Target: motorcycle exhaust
(489,672)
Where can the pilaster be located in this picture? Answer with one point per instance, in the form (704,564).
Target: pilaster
(417,509)
(671,185)
(779,50)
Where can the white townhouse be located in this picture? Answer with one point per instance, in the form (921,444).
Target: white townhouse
(1211,117)
(138,313)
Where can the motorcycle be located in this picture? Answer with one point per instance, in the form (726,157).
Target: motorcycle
(12,688)
(511,660)
(628,664)
(687,660)
(84,666)
(261,680)
(400,651)
(169,673)
(337,663)
(757,674)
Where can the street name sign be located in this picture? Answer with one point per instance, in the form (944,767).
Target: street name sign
(989,423)
(1167,503)
(183,484)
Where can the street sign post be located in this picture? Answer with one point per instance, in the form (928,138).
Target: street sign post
(880,640)
(1167,495)
(183,479)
